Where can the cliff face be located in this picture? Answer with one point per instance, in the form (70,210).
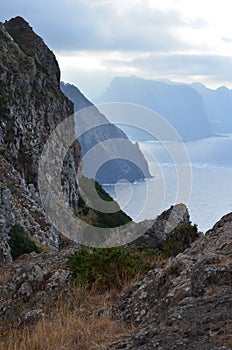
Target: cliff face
(31,106)
(126,159)
(218,105)
(181,105)
(20,204)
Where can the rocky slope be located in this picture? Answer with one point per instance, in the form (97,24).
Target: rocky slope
(29,283)
(181,105)
(183,304)
(31,106)
(128,164)
(187,304)
(20,204)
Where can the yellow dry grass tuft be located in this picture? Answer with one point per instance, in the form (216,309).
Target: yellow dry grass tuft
(75,324)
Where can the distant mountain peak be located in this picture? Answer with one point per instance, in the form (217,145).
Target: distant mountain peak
(180,104)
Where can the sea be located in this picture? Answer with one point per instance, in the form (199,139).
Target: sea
(197,173)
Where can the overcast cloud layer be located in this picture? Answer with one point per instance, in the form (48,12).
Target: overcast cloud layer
(95,40)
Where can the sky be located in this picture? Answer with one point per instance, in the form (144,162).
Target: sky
(96,40)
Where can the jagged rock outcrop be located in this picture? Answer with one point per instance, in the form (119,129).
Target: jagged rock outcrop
(30,283)
(186,304)
(31,107)
(171,230)
(126,161)
(163,227)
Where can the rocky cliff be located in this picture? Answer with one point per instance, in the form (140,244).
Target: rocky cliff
(20,204)
(125,161)
(31,106)
(186,304)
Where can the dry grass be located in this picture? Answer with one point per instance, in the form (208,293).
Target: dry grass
(75,324)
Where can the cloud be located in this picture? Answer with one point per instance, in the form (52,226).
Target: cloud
(227,40)
(101,24)
(215,67)
(93,73)
(95,40)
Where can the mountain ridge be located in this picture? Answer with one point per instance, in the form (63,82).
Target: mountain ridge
(179,104)
(218,105)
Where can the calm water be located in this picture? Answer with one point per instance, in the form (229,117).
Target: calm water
(204,183)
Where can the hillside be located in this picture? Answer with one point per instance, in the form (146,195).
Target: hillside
(182,303)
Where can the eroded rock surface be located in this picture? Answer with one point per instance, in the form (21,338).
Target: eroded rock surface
(31,283)
(31,107)
(163,227)
(20,204)
(187,304)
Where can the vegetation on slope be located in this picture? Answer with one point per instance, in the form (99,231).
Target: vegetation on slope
(94,217)
(20,243)
(82,319)
(106,268)
(180,239)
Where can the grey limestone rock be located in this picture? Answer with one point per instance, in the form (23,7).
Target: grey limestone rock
(188,301)
(28,284)
(31,107)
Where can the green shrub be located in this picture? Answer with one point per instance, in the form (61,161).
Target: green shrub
(104,268)
(180,239)
(20,243)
